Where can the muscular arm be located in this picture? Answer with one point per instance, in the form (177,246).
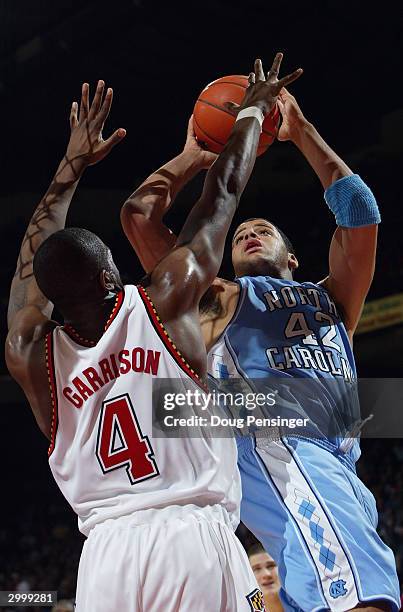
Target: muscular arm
(85,147)
(29,310)
(142,213)
(352,250)
(351,270)
(188,271)
(328,166)
(49,216)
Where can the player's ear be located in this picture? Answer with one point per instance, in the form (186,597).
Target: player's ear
(107,280)
(292,262)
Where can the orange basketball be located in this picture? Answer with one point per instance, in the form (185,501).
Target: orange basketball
(213,122)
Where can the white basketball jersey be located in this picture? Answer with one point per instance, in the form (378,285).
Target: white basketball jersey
(103,455)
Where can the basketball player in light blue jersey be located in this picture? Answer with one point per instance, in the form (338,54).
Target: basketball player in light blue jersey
(301,495)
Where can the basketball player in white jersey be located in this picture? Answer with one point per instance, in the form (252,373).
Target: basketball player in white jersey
(159,513)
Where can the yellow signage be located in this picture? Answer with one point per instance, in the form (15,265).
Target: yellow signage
(381,313)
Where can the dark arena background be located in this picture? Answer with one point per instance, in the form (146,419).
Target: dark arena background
(157,56)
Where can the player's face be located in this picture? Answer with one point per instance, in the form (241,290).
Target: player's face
(258,249)
(266,574)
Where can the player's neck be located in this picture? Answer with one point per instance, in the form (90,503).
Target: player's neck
(90,320)
(273,603)
(265,270)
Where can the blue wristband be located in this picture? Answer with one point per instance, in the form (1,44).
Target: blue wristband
(352,202)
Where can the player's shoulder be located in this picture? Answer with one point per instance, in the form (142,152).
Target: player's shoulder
(220,291)
(28,329)
(223,282)
(25,343)
(26,358)
(222,286)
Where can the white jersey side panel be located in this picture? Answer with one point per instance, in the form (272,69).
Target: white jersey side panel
(103,455)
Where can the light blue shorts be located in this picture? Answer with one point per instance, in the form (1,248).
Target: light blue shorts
(318,521)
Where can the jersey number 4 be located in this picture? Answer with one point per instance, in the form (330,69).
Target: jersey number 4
(121,443)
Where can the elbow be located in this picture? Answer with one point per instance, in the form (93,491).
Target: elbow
(13,352)
(132,215)
(133,206)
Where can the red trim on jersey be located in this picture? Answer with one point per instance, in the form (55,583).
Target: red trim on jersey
(74,335)
(116,308)
(52,389)
(71,332)
(166,339)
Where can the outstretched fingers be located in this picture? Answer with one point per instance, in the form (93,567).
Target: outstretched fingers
(84,105)
(290,78)
(275,68)
(73,115)
(113,140)
(251,79)
(231,107)
(97,101)
(106,107)
(259,73)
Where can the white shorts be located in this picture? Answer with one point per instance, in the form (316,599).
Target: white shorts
(175,559)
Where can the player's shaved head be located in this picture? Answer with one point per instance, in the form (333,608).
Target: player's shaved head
(68,264)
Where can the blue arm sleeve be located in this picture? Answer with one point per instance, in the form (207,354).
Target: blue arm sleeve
(352,202)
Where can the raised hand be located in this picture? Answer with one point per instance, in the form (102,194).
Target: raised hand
(263,91)
(292,115)
(204,158)
(86,145)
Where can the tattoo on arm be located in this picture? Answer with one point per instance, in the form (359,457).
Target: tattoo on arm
(86,147)
(49,216)
(42,222)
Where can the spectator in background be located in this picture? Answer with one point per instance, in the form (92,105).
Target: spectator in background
(64,605)
(266,574)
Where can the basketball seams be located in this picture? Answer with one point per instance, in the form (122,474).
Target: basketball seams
(264,131)
(216,104)
(219,108)
(215,83)
(222,144)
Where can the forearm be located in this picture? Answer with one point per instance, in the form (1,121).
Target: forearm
(231,172)
(142,214)
(223,187)
(328,166)
(194,262)
(49,217)
(156,194)
(353,247)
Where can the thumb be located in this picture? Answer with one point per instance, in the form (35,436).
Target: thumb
(281,135)
(73,115)
(114,139)
(190,134)
(190,131)
(232,107)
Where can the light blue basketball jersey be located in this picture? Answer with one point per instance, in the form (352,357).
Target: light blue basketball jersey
(290,330)
(301,496)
